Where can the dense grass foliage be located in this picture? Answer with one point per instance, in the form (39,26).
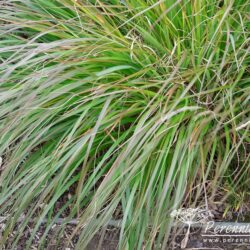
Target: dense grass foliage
(123,109)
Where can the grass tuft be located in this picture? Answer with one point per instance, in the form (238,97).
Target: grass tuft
(122,110)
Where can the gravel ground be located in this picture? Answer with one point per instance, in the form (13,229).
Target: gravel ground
(108,240)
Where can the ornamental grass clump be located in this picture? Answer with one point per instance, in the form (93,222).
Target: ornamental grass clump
(121,110)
